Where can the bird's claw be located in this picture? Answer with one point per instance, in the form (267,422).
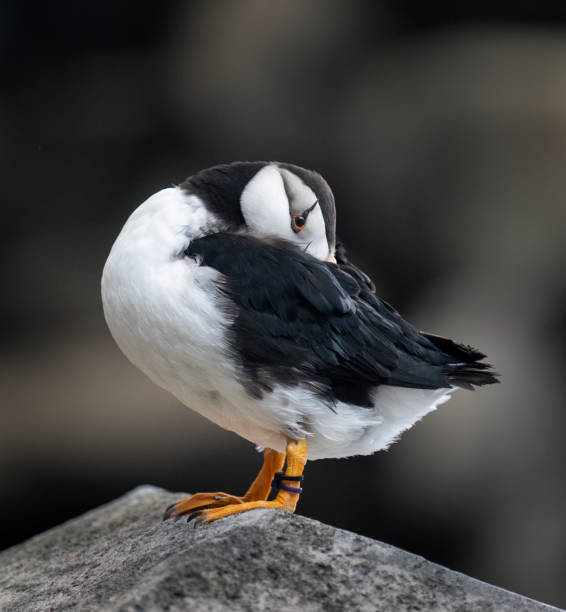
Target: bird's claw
(196,518)
(170,512)
(193,515)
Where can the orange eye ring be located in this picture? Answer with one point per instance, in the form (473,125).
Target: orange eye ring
(299,222)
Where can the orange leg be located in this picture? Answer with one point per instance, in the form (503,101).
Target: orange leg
(259,490)
(285,500)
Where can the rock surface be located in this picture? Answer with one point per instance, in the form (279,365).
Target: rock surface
(123,557)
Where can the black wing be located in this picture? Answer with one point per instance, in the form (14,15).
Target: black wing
(301,320)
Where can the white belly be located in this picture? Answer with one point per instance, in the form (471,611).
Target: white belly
(165,314)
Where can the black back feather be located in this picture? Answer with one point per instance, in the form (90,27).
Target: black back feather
(299,320)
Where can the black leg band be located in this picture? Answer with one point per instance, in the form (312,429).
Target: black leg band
(276,483)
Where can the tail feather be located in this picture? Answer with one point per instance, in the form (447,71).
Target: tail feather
(467,376)
(467,370)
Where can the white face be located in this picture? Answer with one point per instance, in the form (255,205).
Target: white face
(275,202)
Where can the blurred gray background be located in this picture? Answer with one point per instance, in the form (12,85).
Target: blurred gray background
(443,135)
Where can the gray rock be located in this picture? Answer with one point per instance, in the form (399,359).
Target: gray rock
(123,557)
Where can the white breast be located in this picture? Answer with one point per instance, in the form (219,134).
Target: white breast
(159,304)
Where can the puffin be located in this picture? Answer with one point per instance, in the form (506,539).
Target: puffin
(232,292)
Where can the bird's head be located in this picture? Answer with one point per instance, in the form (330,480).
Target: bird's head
(270,199)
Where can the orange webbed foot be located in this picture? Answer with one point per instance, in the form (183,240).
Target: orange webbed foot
(200,501)
(208,515)
(286,484)
(258,491)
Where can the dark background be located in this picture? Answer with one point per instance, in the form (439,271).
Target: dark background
(443,134)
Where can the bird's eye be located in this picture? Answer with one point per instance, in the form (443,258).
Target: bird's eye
(299,222)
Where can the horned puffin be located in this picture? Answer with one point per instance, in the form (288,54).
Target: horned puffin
(232,292)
